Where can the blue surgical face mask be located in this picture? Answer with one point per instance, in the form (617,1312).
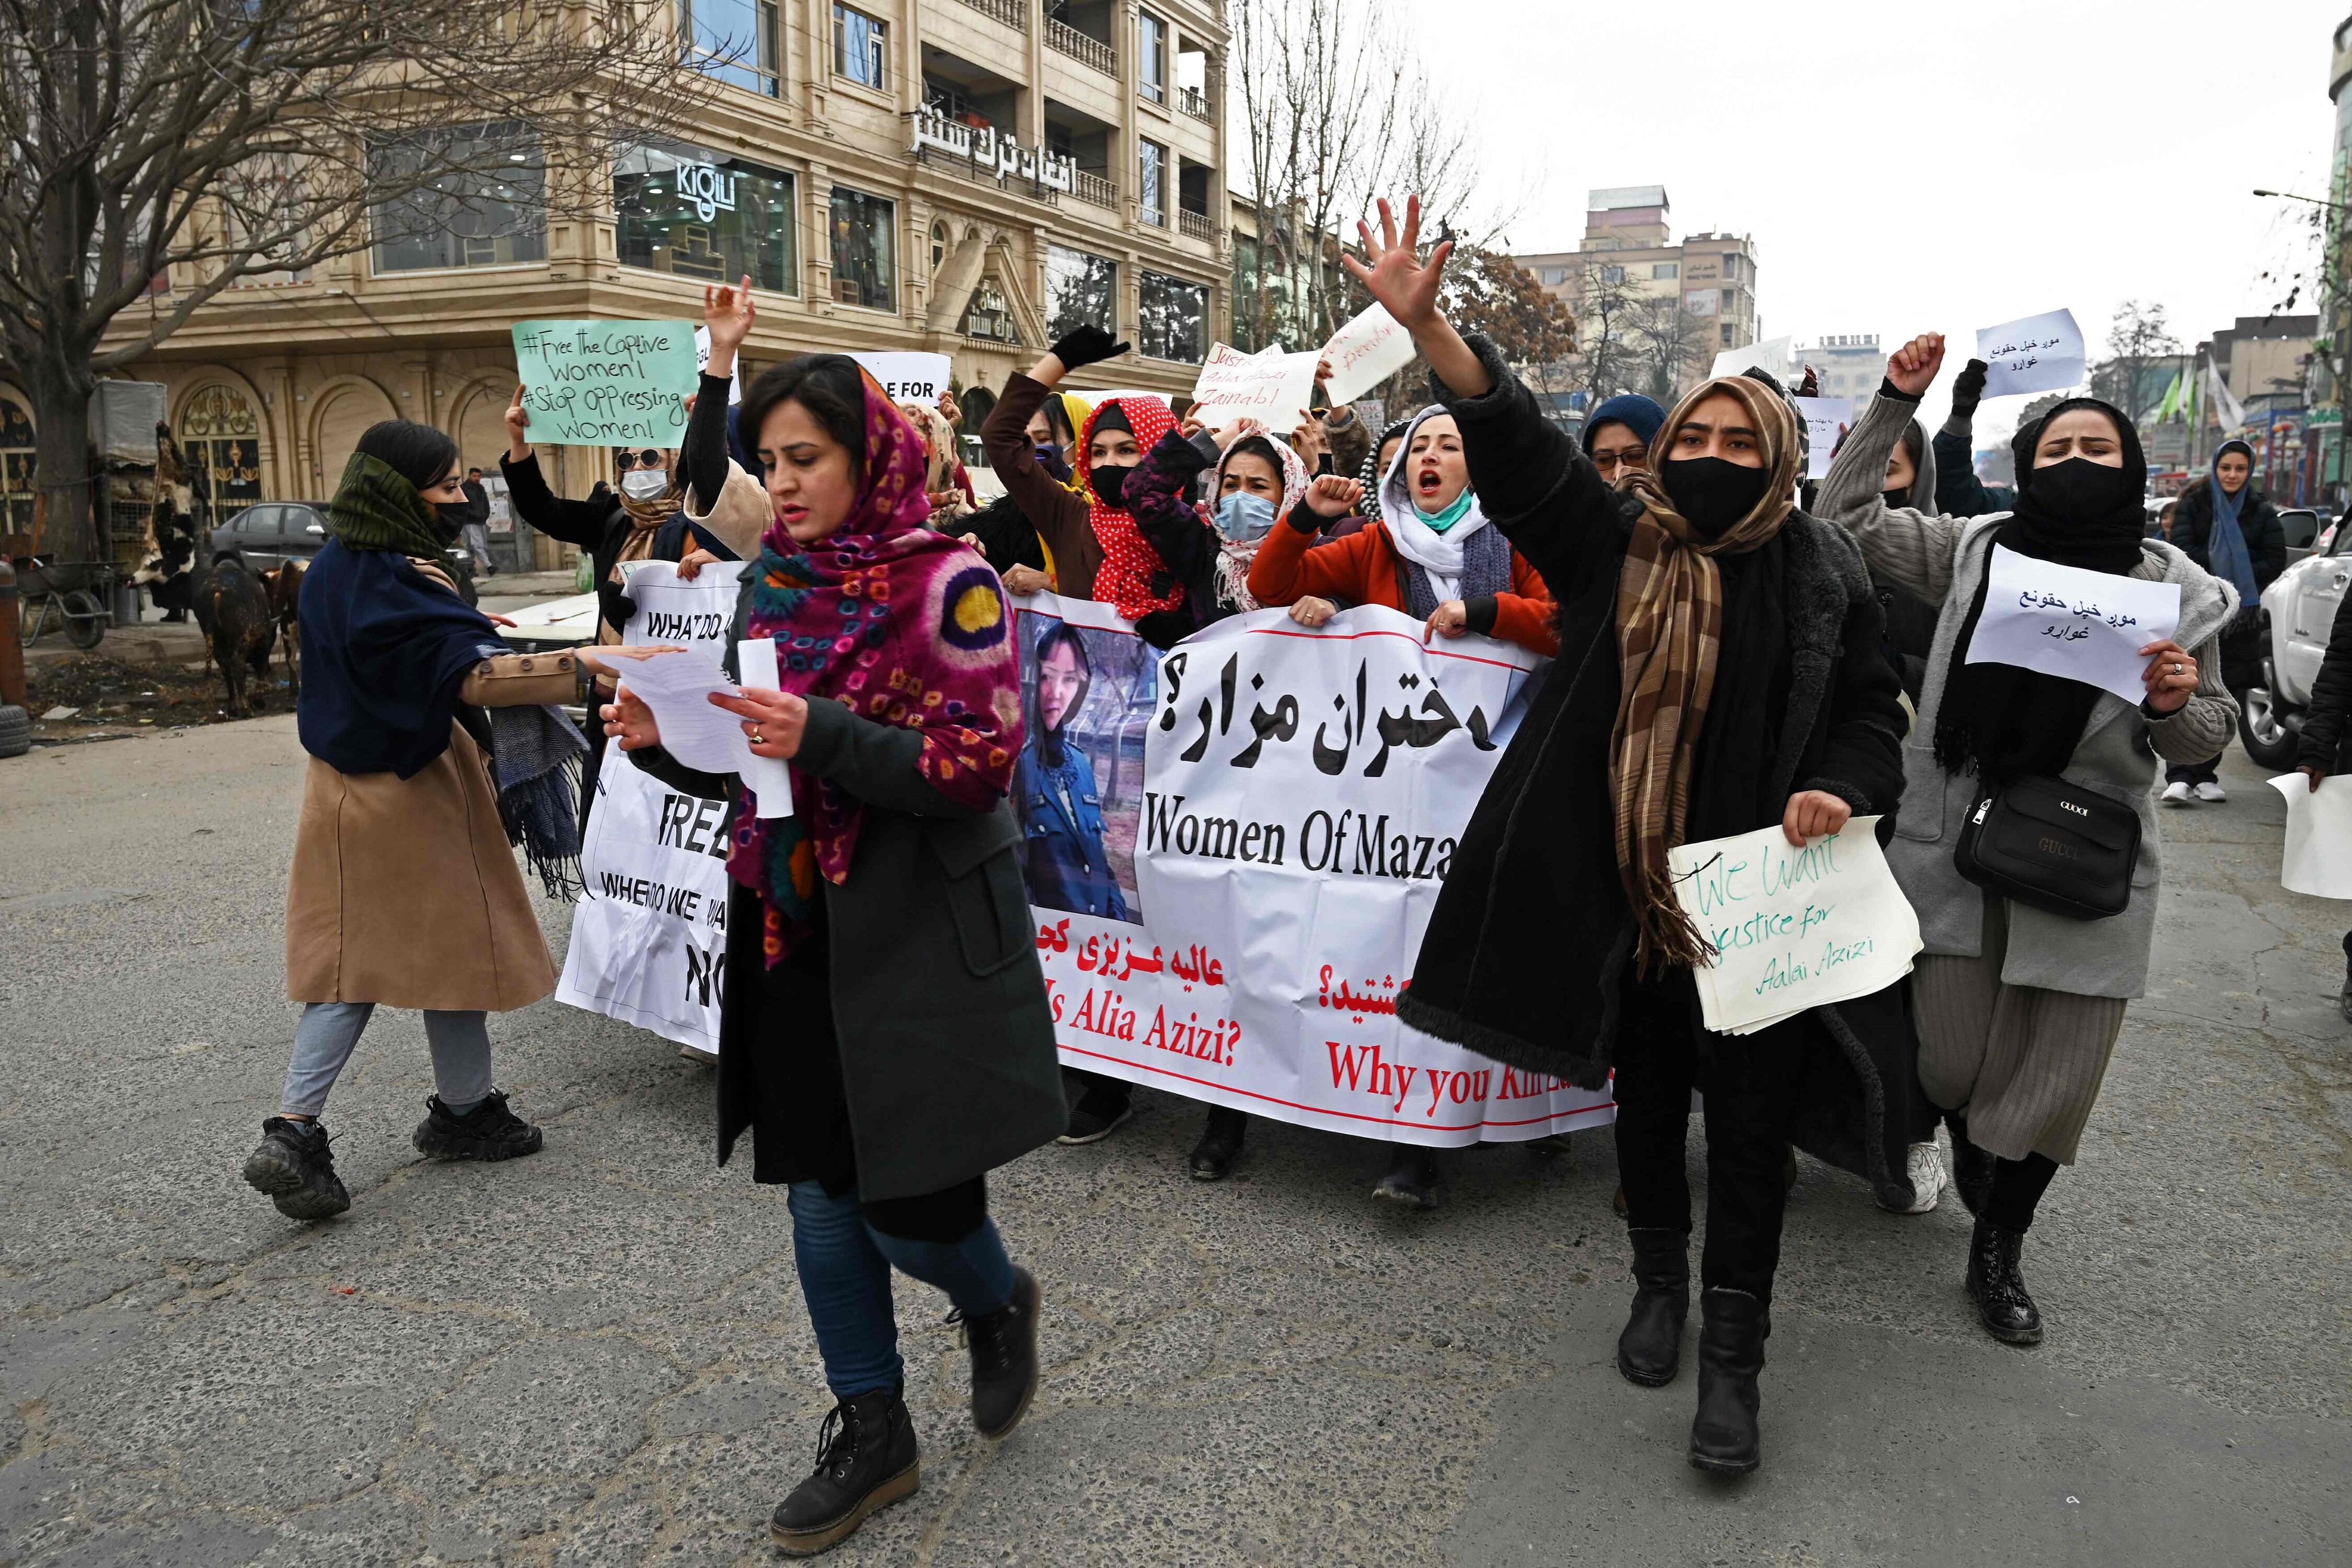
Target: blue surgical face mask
(1241,517)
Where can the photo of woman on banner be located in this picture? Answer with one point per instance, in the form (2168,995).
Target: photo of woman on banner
(1053,787)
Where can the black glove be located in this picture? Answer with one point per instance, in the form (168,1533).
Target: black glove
(616,607)
(1968,388)
(1088,345)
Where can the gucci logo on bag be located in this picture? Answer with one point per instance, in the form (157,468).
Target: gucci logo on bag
(2064,850)
(2081,811)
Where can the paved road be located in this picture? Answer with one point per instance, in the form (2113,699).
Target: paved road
(599,1356)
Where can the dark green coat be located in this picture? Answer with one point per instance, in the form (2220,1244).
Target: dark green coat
(946,1036)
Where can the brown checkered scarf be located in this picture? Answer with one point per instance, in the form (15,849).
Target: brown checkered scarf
(1669,630)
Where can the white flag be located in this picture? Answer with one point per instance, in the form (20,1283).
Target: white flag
(2226,408)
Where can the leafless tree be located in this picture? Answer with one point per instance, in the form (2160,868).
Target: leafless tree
(160,152)
(1667,344)
(1608,329)
(2137,337)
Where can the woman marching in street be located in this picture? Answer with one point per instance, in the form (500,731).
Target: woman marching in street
(886,1033)
(1721,670)
(2017,1006)
(2226,524)
(432,756)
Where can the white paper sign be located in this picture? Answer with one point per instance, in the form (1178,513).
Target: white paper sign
(1233,849)
(1827,419)
(2062,620)
(1793,928)
(2040,353)
(909,376)
(1770,356)
(2318,855)
(699,734)
(1365,353)
(702,364)
(1271,388)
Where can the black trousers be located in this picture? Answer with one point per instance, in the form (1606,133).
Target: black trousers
(1749,1081)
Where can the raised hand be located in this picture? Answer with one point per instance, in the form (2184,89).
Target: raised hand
(728,311)
(1088,345)
(1912,368)
(518,424)
(1334,495)
(1395,274)
(1968,388)
(1306,439)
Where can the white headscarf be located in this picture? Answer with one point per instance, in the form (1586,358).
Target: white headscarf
(1439,554)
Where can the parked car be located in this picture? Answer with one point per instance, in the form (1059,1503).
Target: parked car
(2301,525)
(2301,609)
(268,534)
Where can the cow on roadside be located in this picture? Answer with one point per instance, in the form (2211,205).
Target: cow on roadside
(233,610)
(285,603)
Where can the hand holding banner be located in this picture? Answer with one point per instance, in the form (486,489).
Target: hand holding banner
(1271,388)
(1365,353)
(1826,422)
(2038,353)
(606,383)
(2062,620)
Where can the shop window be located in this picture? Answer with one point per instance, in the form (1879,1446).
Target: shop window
(1171,318)
(490,213)
(864,266)
(699,214)
(220,438)
(861,46)
(1081,290)
(734,41)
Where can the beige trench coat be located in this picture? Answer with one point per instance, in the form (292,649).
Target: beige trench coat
(405,891)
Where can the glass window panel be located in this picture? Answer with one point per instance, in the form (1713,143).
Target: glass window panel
(1171,318)
(860,45)
(735,41)
(864,266)
(699,214)
(1081,290)
(489,212)
(1151,56)
(1152,187)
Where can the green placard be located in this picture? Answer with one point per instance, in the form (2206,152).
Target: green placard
(606,383)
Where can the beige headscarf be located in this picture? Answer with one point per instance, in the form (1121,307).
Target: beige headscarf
(1669,632)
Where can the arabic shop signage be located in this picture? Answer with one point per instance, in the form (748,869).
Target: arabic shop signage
(992,151)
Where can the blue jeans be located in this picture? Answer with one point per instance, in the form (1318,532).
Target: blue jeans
(844,1269)
(460,1043)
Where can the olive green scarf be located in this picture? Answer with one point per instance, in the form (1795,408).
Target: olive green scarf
(375,508)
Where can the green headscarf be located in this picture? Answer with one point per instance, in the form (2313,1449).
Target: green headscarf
(376,509)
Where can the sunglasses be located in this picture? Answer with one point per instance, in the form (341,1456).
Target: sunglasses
(648,458)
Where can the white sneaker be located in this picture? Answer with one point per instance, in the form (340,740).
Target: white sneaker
(1924,1167)
(2212,793)
(2178,795)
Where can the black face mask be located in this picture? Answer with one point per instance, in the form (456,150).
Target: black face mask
(1110,485)
(444,527)
(1899,495)
(2080,487)
(1713,493)
(1049,458)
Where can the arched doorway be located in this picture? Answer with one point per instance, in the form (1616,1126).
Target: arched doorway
(343,416)
(220,437)
(15,464)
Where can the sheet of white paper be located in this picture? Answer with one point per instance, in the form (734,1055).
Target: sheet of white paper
(1794,928)
(702,363)
(1268,387)
(677,687)
(2062,620)
(1365,353)
(674,611)
(2318,854)
(907,376)
(770,779)
(1770,356)
(2039,353)
(1826,420)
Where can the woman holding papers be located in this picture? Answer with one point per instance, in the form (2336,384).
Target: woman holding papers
(2017,1006)
(1721,670)
(886,1033)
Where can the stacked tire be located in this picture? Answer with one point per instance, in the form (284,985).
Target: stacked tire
(16,731)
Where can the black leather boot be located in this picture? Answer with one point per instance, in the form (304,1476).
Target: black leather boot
(866,1460)
(1650,1350)
(1998,1289)
(1972,1166)
(1732,1327)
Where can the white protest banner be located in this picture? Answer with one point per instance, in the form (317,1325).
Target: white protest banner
(606,383)
(1771,356)
(909,376)
(1827,419)
(2039,353)
(2318,851)
(1365,353)
(2062,620)
(1271,388)
(702,365)
(1231,851)
(1793,928)
(649,934)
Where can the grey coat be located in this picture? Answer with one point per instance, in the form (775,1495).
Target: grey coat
(1942,559)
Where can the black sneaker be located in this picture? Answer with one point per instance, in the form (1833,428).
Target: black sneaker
(294,1166)
(489,1132)
(1412,1179)
(866,1460)
(1003,1346)
(1213,1157)
(1100,1110)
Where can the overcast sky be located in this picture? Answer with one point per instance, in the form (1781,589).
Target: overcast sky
(1913,168)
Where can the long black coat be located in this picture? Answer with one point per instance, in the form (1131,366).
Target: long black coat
(946,1037)
(1532,934)
(2258,519)
(2326,742)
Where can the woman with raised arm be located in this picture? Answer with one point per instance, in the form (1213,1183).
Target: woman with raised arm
(886,1033)
(1721,669)
(2019,1005)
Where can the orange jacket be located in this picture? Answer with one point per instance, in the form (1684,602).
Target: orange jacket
(1365,569)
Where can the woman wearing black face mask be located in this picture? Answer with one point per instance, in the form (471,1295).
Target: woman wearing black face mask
(2019,1007)
(1720,670)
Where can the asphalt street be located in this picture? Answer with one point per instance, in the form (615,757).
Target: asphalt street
(598,1355)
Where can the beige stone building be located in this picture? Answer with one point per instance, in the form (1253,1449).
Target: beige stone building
(971,177)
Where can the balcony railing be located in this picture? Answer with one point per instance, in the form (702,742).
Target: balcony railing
(1195,226)
(1014,13)
(1194,102)
(1079,46)
(1095,190)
